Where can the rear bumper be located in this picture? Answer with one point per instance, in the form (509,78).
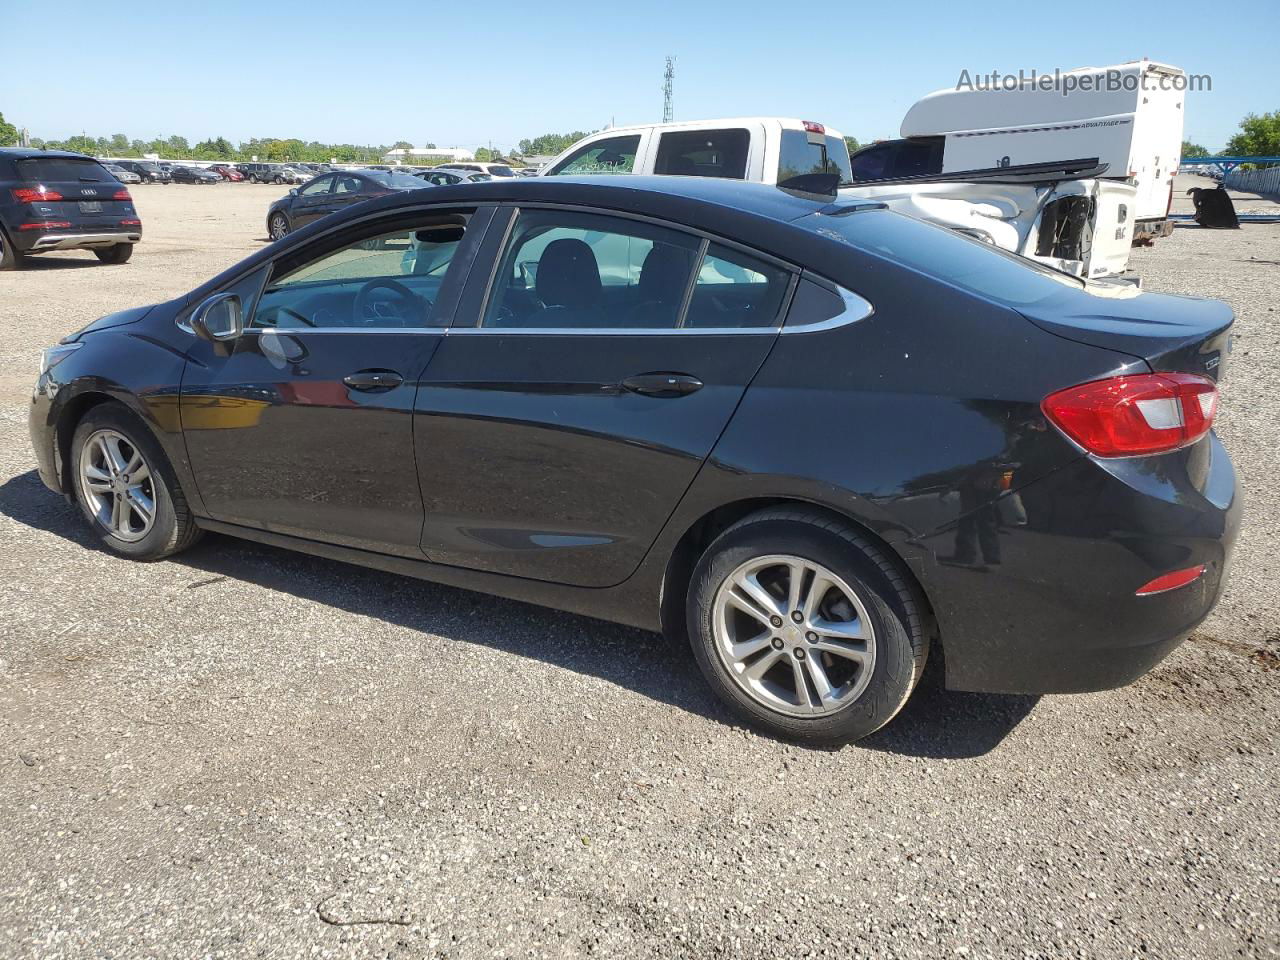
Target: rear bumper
(1036,593)
(88,240)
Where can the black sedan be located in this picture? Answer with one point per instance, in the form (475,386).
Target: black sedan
(813,440)
(184,174)
(330,193)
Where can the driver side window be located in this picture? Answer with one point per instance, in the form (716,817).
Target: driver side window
(390,280)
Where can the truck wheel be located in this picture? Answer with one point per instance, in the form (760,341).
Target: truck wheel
(120,253)
(126,488)
(806,628)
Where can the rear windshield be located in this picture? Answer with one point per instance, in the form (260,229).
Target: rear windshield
(802,154)
(501,171)
(942,253)
(402,181)
(62,169)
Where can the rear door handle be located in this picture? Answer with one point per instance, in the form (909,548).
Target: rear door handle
(373,380)
(662,384)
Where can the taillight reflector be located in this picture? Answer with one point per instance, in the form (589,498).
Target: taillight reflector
(1137,415)
(811,127)
(37,195)
(1171,581)
(46,225)
(130,223)
(121,195)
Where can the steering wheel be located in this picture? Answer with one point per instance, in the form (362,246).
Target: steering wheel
(362,311)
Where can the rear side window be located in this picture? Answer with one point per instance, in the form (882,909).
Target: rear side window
(568,270)
(704,153)
(62,169)
(615,155)
(802,154)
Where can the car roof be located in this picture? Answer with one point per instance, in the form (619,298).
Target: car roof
(27,153)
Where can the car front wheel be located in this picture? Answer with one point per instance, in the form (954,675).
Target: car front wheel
(126,487)
(806,628)
(279,226)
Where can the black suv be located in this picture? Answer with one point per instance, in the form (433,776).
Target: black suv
(148,171)
(51,200)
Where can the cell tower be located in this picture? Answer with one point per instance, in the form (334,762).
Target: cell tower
(667,78)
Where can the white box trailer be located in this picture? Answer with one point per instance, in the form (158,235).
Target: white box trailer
(1130,116)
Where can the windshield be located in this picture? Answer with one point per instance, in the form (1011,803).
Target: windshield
(942,253)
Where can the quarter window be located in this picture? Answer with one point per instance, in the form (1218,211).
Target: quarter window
(615,155)
(391,280)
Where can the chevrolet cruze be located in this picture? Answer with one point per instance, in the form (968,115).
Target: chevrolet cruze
(816,441)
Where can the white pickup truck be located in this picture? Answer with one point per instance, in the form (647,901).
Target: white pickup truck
(776,150)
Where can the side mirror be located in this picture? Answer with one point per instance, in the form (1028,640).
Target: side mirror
(293,192)
(218,319)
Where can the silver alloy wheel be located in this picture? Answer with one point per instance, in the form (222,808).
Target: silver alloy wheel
(793,636)
(279,227)
(117,485)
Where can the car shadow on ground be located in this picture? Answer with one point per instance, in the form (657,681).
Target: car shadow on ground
(46,262)
(936,723)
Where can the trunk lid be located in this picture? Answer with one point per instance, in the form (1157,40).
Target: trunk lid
(1171,333)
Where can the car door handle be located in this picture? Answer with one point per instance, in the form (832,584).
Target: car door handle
(373,380)
(662,384)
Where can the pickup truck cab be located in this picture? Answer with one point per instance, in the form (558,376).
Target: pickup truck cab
(774,150)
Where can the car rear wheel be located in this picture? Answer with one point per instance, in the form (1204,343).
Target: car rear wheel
(120,253)
(10,258)
(805,628)
(126,487)
(279,226)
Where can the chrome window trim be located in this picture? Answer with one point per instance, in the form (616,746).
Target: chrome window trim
(771,331)
(855,308)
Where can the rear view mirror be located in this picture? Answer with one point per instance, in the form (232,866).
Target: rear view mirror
(219,318)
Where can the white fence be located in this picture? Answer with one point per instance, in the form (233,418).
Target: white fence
(1265,181)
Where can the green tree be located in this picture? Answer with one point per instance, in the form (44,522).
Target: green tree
(1259,136)
(1190,149)
(8,133)
(853,144)
(118,145)
(552,143)
(178,146)
(484,154)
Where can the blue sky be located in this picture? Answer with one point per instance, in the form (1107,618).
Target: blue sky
(475,71)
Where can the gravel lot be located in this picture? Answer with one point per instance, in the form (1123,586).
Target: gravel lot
(250,753)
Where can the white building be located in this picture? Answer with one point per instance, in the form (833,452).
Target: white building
(401,155)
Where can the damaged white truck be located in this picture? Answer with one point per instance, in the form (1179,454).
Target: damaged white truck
(1068,169)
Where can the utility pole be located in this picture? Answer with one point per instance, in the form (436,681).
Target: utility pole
(668,113)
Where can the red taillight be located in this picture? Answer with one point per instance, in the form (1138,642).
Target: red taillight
(121,195)
(811,127)
(45,225)
(130,223)
(1171,581)
(1132,416)
(39,194)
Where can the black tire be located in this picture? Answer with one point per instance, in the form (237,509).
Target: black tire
(173,528)
(10,258)
(120,253)
(894,607)
(278,218)
(279,181)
